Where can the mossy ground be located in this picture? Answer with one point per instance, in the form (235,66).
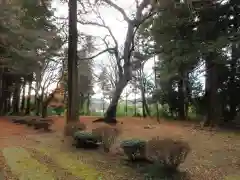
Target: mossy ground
(24,166)
(38,163)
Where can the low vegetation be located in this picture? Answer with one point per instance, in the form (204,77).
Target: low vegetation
(134,148)
(107,136)
(86,139)
(167,152)
(182,41)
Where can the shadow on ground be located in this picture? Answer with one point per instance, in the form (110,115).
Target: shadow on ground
(152,171)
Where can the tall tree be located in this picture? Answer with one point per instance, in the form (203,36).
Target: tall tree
(188,36)
(30,24)
(72,111)
(123,55)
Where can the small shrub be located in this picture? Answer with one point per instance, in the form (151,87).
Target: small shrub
(169,153)
(134,148)
(85,139)
(71,128)
(85,135)
(107,135)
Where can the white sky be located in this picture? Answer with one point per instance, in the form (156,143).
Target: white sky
(114,20)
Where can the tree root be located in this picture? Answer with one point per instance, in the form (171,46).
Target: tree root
(111,121)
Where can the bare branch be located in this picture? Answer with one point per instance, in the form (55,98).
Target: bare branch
(94,56)
(91,23)
(103,25)
(118,59)
(119,9)
(109,30)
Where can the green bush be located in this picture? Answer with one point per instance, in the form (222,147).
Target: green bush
(59,110)
(84,135)
(51,111)
(86,139)
(134,148)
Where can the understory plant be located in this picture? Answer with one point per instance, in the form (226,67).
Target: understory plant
(168,153)
(134,148)
(107,136)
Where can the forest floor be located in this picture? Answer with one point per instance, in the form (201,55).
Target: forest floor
(27,154)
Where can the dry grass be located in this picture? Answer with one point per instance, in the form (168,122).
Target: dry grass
(214,154)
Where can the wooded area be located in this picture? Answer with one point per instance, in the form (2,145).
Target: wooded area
(147,126)
(188,40)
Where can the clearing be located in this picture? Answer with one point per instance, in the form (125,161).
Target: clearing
(32,154)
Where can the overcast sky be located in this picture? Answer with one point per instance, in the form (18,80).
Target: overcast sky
(114,20)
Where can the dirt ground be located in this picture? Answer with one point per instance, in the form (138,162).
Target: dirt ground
(215,155)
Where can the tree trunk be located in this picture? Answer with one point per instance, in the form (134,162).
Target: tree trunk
(5,95)
(72,111)
(81,103)
(125,74)
(37,105)
(187,95)
(110,115)
(45,104)
(37,96)
(1,90)
(145,109)
(16,98)
(135,103)
(232,84)
(23,96)
(103,104)
(145,105)
(157,111)
(88,104)
(8,100)
(29,98)
(6,105)
(126,105)
(211,90)
(10,103)
(41,101)
(181,102)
